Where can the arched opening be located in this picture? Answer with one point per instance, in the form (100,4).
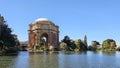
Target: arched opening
(44,41)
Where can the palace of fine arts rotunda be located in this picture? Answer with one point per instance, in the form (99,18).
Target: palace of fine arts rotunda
(43,33)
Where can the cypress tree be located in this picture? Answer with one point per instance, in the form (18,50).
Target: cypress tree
(85,40)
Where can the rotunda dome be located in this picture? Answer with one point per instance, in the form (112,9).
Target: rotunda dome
(41,19)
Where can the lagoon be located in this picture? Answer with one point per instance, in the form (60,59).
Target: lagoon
(87,59)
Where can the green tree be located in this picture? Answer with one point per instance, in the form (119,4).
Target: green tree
(63,46)
(72,45)
(85,40)
(108,44)
(95,44)
(80,45)
(66,40)
(7,41)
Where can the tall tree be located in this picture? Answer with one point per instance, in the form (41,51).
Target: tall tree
(2,19)
(85,40)
(80,45)
(1,22)
(7,40)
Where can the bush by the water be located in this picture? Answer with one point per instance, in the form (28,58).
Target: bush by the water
(69,45)
(109,44)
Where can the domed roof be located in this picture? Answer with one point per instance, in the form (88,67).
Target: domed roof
(41,19)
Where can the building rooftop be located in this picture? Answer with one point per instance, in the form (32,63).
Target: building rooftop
(41,19)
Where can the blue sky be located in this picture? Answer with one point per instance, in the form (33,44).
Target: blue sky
(98,19)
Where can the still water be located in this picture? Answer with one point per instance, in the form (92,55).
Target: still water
(62,60)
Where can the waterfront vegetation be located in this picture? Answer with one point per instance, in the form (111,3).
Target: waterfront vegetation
(69,45)
(81,45)
(8,42)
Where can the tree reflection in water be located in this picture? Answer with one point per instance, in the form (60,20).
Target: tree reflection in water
(109,52)
(53,59)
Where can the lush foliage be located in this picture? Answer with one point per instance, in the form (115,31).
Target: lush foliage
(80,45)
(108,44)
(94,46)
(7,41)
(67,44)
(64,46)
(70,45)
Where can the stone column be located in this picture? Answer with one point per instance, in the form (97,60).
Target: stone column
(58,40)
(29,39)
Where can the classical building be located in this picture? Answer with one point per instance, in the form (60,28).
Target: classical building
(43,30)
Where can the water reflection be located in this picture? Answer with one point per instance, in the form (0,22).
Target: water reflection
(81,52)
(109,52)
(21,61)
(6,61)
(43,60)
(71,52)
(51,59)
